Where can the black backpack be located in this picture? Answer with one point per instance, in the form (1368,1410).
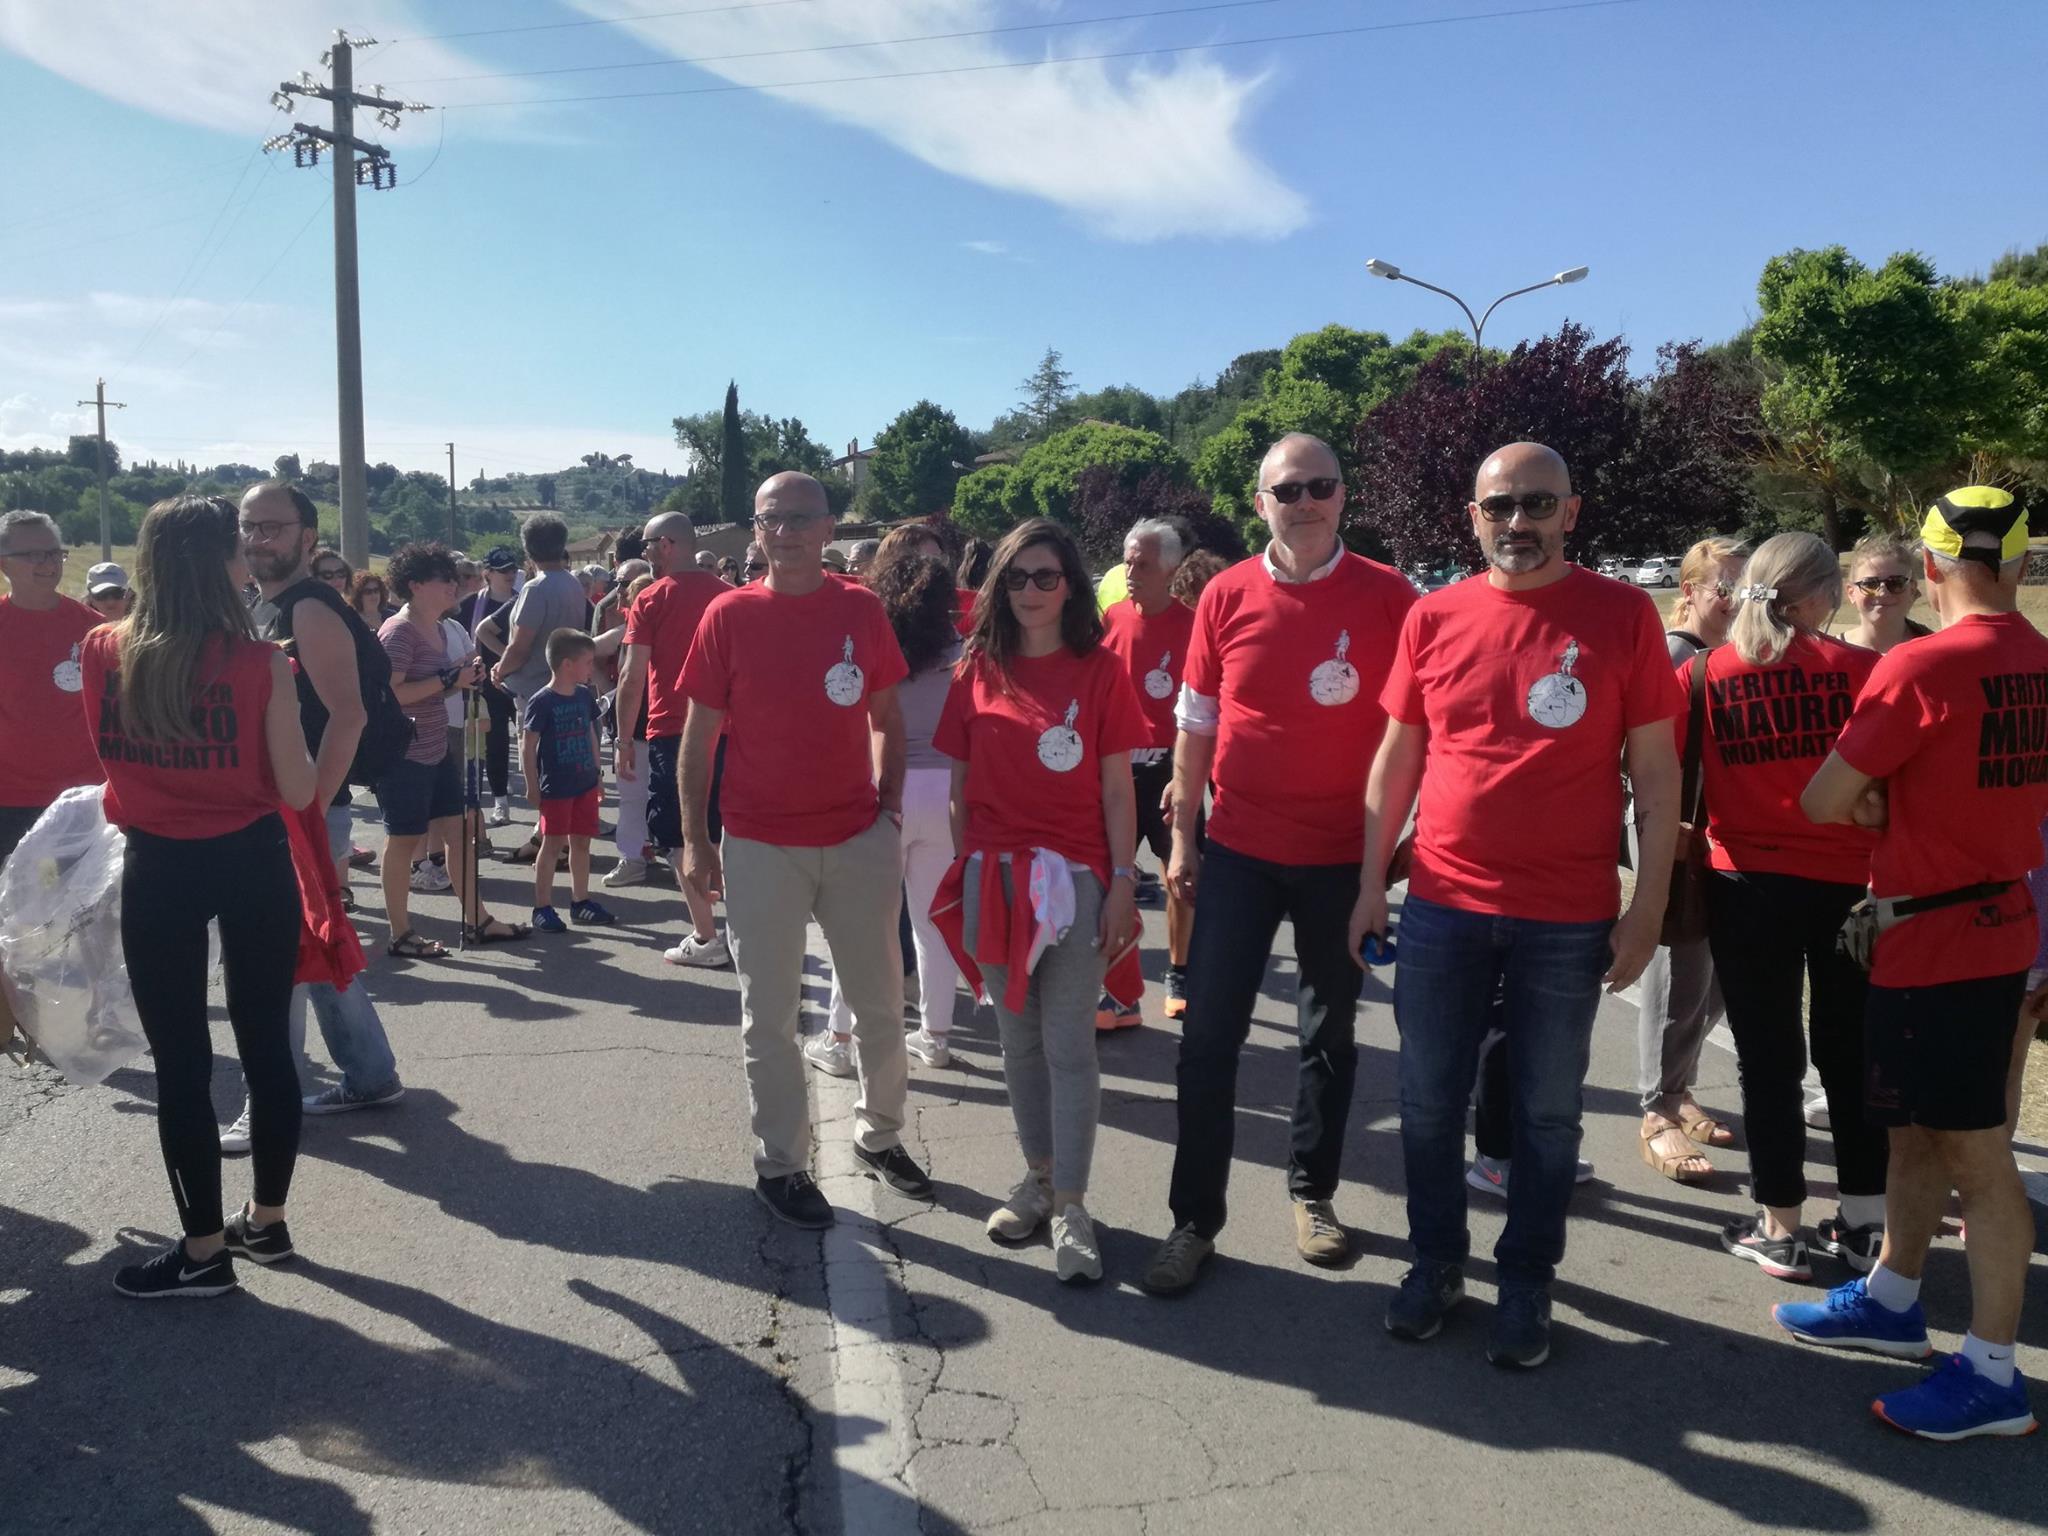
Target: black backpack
(387,729)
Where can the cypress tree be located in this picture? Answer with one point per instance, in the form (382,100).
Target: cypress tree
(735,495)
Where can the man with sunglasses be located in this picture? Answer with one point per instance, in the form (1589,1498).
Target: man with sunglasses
(800,671)
(1521,691)
(46,746)
(1279,714)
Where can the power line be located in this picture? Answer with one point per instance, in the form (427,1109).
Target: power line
(1079,58)
(192,262)
(880,42)
(601,21)
(249,293)
(96,207)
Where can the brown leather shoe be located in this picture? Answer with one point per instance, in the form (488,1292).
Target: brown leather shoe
(1317,1235)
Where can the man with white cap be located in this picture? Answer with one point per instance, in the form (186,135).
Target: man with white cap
(107,592)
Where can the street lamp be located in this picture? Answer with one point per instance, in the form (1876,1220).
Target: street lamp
(1394,274)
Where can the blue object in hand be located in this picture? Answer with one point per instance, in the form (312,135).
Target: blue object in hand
(1378,949)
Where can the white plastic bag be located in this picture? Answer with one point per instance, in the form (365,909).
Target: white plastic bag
(60,940)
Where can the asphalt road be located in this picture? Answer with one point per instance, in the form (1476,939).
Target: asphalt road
(539,1296)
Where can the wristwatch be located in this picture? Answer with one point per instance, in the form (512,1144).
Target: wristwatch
(1124,872)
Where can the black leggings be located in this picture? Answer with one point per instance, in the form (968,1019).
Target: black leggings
(498,739)
(170,888)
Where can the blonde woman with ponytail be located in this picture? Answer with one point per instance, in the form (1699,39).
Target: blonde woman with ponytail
(1777,696)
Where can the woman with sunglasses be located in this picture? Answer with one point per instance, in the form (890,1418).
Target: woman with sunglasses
(329,567)
(1679,999)
(198,726)
(367,595)
(1780,887)
(1884,583)
(1040,723)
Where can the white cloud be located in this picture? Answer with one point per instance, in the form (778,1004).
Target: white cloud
(985,247)
(28,421)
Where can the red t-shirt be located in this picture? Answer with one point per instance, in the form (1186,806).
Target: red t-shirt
(45,739)
(664,619)
(793,675)
(1768,729)
(1034,758)
(1528,697)
(1296,669)
(211,785)
(964,600)
(1957,723)
(1155,652)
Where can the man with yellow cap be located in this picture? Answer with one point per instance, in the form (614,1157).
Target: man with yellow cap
(1947,752)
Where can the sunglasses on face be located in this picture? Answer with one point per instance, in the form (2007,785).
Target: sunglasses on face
(376,592)
(1876,584)
(1535,506)
(332,573)
(1045,581)
(1288,492)
(1722,590)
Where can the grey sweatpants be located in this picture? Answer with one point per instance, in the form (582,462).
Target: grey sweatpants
(1681,1003)
(1049,1046)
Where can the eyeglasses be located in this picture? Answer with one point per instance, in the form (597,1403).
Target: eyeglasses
(1288,492)
(333,573)
(788,522)
(1876,584)
(268,531)
(1535,506)
(1722,590)
(41,559)
(1045,581)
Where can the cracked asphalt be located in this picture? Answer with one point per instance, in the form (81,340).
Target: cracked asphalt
(538,1296)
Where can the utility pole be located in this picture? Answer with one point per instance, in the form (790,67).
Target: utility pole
(376,171)
(106,524)
(454,534)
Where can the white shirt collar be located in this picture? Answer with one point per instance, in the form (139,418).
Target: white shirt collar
(1318,574)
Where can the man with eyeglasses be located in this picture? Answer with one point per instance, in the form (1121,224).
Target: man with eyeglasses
(46,746)
(1520,691)
(801,673)
(1279,713)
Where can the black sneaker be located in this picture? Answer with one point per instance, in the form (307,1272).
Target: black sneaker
(892,1165)
(1855,1246)
(1176,992)
(266,1245)
(796,1199)
(1427,1292)
(1782,1258)
(1520,1337)
(171,1273)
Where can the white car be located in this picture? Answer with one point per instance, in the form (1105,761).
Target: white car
(1656,571)
(1611,566)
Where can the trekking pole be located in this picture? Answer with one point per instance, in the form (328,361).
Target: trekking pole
(472,810)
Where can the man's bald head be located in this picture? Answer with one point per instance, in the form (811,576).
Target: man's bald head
(1302,454)
(676,527)
(1523,467)
(790,491)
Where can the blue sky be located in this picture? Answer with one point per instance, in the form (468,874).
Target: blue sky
(568,277)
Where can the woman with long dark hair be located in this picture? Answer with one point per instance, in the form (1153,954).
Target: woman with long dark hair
(1040,724)
(198,726)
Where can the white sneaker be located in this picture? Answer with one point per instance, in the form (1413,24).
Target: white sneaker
(1025,1211)
(501,815)
(709,953)
(1816,1112)
(429,877)
(236,1137)
(928,1048)
(626,872)
(829,1054)
(1075,1254)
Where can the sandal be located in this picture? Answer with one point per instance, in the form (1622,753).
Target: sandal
(410,946)
(495,930)
(1668,1150)
(1703,1127)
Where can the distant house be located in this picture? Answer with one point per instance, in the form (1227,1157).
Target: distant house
(852,466)
(594,549)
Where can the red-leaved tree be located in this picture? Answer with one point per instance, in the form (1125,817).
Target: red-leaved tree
(1658,461)
(1107,502)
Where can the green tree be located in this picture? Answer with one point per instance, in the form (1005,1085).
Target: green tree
(981,501)
(735,491)
(544,490)
(286,466)
(917,462)
(1046,393)
(1043,481)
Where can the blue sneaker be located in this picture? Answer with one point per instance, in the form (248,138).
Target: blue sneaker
(1849,1319)
(593,914)
(1955,1403)
(547,920)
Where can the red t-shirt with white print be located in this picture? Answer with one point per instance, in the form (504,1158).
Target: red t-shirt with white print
(1296,670)
(1528,697)
(1034,752)
(793,675)
(1154,651)
(1957,726)
(46,742)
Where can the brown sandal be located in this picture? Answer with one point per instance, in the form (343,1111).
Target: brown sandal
(1671,1162)
(1703,1127)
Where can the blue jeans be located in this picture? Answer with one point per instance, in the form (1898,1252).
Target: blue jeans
(353,1032)
(1549,976)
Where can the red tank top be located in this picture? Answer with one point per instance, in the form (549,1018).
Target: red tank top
(214,783)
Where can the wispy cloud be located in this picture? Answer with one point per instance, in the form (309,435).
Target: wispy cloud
(985,247)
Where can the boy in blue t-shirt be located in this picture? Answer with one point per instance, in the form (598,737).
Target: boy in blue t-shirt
(559,758)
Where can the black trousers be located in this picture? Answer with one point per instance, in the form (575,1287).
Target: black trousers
(1769,933)
(170,889)
(497,738)
(1238,907)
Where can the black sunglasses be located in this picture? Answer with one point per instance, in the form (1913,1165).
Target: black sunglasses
(333,573)
(1288,492)
(1045,581)
(1535,506)
(1876,584)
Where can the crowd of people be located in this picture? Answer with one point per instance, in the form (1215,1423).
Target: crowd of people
(954,754)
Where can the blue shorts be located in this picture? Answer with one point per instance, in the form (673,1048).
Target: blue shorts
(664,795)
(412,795)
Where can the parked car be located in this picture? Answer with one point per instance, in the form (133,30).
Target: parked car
(1612,566)
(1657,571)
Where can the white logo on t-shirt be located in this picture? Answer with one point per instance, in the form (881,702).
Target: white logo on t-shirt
(843,681)
(1059,747)
(1558,699)
(1336,680)
(1159,682)
(68,674)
